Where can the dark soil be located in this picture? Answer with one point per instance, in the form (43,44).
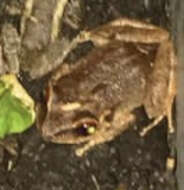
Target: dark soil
(129,162)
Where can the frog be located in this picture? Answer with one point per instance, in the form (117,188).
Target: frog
(91,102)
(34,46)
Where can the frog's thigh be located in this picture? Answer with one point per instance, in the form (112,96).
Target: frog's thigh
(138,30)
(107,133)
(125,30)
(160,104)
(133,23)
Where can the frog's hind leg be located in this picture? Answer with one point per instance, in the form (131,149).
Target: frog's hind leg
(163,80)
(151,125)
(125,30)
(169,116)
(158,119)
(172,93)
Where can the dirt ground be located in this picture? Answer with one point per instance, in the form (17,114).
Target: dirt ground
(129,162)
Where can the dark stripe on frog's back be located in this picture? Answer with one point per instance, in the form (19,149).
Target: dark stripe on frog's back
(110,73)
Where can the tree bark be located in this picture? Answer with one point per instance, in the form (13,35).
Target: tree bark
(178,34)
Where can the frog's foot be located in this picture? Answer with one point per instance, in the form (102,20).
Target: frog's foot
(151,125)
(80,151)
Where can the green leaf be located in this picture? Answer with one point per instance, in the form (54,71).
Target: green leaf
(16,107)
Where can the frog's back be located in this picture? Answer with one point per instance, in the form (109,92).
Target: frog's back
(112,74)
(116,73)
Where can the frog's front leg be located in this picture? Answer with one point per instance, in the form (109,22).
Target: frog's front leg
(106,131)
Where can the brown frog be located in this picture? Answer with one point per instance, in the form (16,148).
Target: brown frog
(91,102)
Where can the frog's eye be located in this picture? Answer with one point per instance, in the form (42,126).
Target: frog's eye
(86,128)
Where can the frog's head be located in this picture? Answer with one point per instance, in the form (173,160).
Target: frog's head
(71,122)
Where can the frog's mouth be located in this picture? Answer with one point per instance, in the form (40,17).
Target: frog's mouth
(81,131)
(84,124)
